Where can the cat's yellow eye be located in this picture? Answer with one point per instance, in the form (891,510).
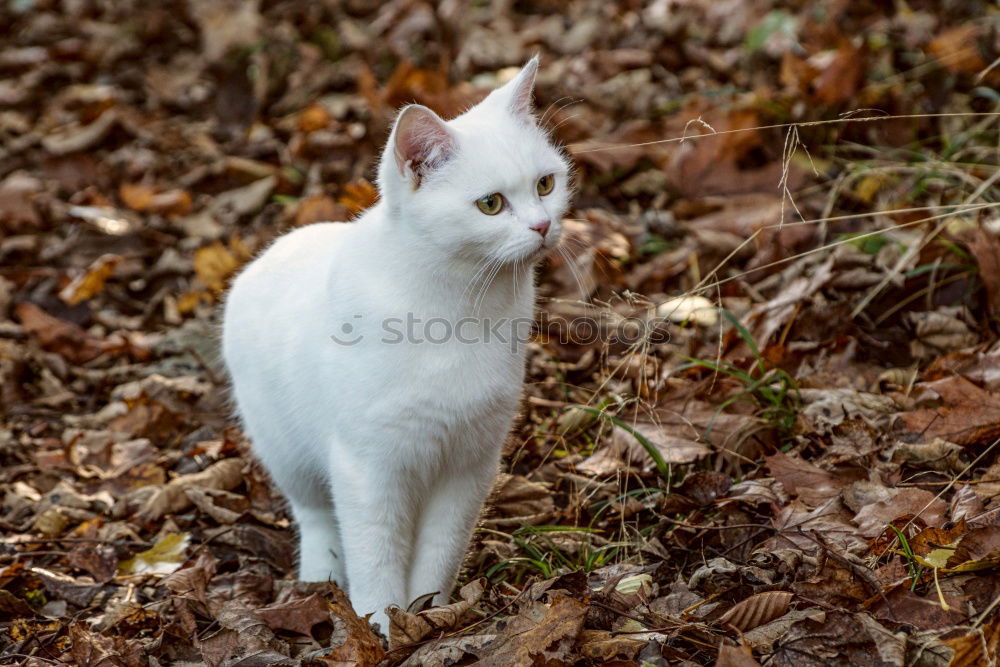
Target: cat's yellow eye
(545,184)
(491,204)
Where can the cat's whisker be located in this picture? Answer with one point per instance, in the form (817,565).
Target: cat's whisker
(571,101)
(564,121)
(494,267)
(482,265)
(584,294)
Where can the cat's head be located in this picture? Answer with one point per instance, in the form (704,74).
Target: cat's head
(485,185)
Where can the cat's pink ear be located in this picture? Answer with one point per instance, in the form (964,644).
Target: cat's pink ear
(420,142)
(522,87)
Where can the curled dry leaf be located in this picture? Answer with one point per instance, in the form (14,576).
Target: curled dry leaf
(978,648)
(64,338)
(91,282)
(979,549)
(937,332)
(757,610)
(352,641)
(406,628)
(516,499)
(226,474)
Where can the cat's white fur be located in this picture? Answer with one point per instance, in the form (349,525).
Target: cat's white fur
(386,449)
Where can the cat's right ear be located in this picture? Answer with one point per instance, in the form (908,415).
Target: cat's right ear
(420,142)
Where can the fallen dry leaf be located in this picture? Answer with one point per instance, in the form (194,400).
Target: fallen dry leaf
(406,628)
(226,474)
(90,283)
(757,610)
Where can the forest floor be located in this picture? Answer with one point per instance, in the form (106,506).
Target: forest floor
(804,471)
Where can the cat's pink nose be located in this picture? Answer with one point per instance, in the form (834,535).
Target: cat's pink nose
(542,227)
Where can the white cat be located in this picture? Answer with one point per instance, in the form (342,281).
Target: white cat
(378,410)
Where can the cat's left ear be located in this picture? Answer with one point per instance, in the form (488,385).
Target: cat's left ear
(420,142)
(520,89)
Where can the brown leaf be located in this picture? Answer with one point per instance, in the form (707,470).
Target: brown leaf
(855,639)
(735,656)
(192,579)
(939,331)
(968,415)
(840,73)
(77,137)
(541,634)
(90,648)
(956,49)
(929,539)
(320,208)
(605,646)
(985,247)
(64,338)
(979,549)
(406,628)
(65,587)
(137,196)
(672,448)
(718,165)
(12,607)
(225,474)
(148,199)
(812,484)
(313,117)
(516,500)
(871,519)
(757,610)
(353,643)
(17,210)
(925,613)
(977,648)
(298,616)
(100,560)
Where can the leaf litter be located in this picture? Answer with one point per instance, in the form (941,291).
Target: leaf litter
(805,469)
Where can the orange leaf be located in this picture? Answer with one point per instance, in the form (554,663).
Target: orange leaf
(91,282)
(136,196)
(358,196)
(956,50)
(319,208)
(313,117)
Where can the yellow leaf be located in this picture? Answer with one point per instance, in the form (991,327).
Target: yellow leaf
(937,558)
(91,282)
(162,558)
(213,264)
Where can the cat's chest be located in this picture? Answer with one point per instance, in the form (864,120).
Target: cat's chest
(440,386)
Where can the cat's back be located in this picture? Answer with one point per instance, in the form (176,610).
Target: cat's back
(275,295)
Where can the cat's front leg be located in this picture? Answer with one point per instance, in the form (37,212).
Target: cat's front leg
(375,507)
(445,525)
